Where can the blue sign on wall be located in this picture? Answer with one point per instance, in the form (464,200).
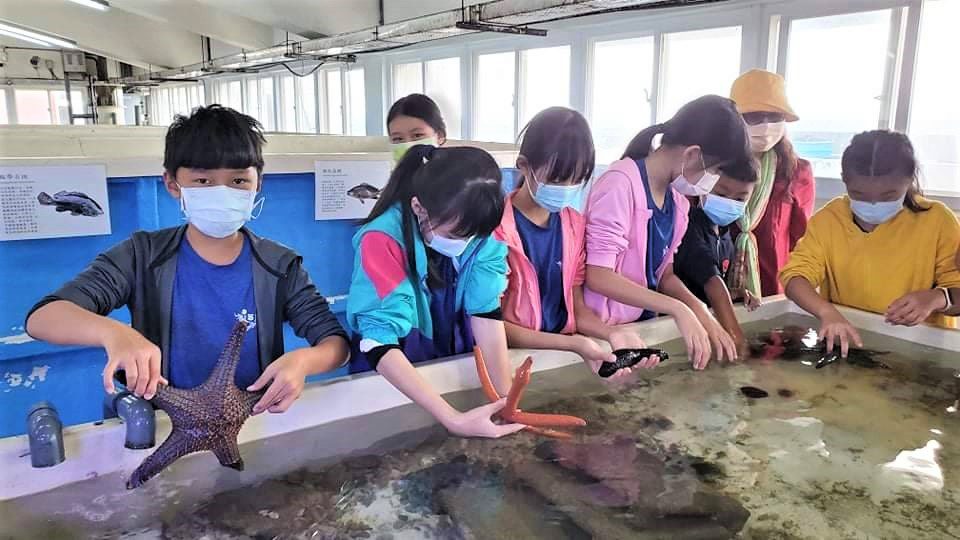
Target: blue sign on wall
(70,377)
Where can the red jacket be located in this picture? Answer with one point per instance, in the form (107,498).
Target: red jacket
(784,222)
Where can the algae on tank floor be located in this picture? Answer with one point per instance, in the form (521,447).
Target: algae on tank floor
(839,452)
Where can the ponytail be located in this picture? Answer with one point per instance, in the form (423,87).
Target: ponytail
(399,189)
(642,143)
(460,186)
(710,122)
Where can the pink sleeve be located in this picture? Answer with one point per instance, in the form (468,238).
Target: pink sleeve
(580,276)
(383,261)
(609,216)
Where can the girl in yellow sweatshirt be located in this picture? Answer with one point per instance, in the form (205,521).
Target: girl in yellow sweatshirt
(881,248)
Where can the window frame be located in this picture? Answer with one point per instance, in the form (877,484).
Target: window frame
(11,103)
(899,79)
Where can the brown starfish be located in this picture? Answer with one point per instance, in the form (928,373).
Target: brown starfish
(207,417)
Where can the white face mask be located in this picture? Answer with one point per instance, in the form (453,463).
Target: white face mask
(701,187)
(450,247)
(878,212)
(765,136)
(218,211)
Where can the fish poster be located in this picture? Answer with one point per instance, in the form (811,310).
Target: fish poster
(348,189)
(53,201)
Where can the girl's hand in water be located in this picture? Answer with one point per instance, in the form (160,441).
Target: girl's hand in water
(913,308)
(721,340)
(594,356)
(834,328)
(477,423)
(750,301)
(625,339)
(695,337)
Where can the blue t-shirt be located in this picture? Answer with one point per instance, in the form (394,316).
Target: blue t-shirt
(207,302)
(452,333)
(659,229)
(544,247)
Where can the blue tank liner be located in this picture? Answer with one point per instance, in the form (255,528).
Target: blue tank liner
(32,371)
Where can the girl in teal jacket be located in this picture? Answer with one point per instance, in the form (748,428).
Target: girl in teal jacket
(428,277)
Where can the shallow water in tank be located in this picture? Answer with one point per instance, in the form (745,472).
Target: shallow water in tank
(846,451)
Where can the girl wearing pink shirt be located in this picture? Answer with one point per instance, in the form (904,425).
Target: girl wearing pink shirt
(543,306)
(636,216)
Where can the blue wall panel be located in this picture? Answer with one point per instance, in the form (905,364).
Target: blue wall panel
(70,376)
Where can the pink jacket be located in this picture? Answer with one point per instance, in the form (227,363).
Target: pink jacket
(616,232)
(521,301)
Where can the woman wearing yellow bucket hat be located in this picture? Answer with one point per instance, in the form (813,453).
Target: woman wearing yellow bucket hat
(776,214)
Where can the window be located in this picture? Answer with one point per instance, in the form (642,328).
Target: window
(407,79)
(620,100)
(695,64)
(288,104)
(61,107)
(442,84)
(835,72)
(260,102)
(167,102)
(33,107)
(439,79)
(46,107)
(229,94)
(357,106)
(298,104)
(334,102)
(4,119)
(495,114)
(935,110)
(306,104)
(544,80)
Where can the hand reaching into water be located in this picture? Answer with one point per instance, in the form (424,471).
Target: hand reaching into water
(626,339)
(721,340)
(750,301)
(834,328)
(594,356)
(695,337)
(477,422)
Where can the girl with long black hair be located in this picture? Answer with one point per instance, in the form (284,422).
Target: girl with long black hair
(428,278)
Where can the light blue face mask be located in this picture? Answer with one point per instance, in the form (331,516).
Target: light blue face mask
(878,212)
(721,210)
(554,197)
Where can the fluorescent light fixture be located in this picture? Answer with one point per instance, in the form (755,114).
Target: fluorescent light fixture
(101,5)
(25,38)
(26,34)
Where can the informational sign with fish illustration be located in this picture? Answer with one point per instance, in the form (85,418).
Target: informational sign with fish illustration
(348,189)
(53,202)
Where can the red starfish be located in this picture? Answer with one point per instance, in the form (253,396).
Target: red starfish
(536,423)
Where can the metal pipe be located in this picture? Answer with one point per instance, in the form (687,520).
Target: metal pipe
(398,34)
(45,433)
(137,415)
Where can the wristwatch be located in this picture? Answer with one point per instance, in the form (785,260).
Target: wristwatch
(947,298)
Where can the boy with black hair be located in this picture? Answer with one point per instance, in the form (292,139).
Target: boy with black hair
(187,286)
(706,252)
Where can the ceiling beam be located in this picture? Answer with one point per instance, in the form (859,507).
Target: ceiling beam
(162,36)
(201,19)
